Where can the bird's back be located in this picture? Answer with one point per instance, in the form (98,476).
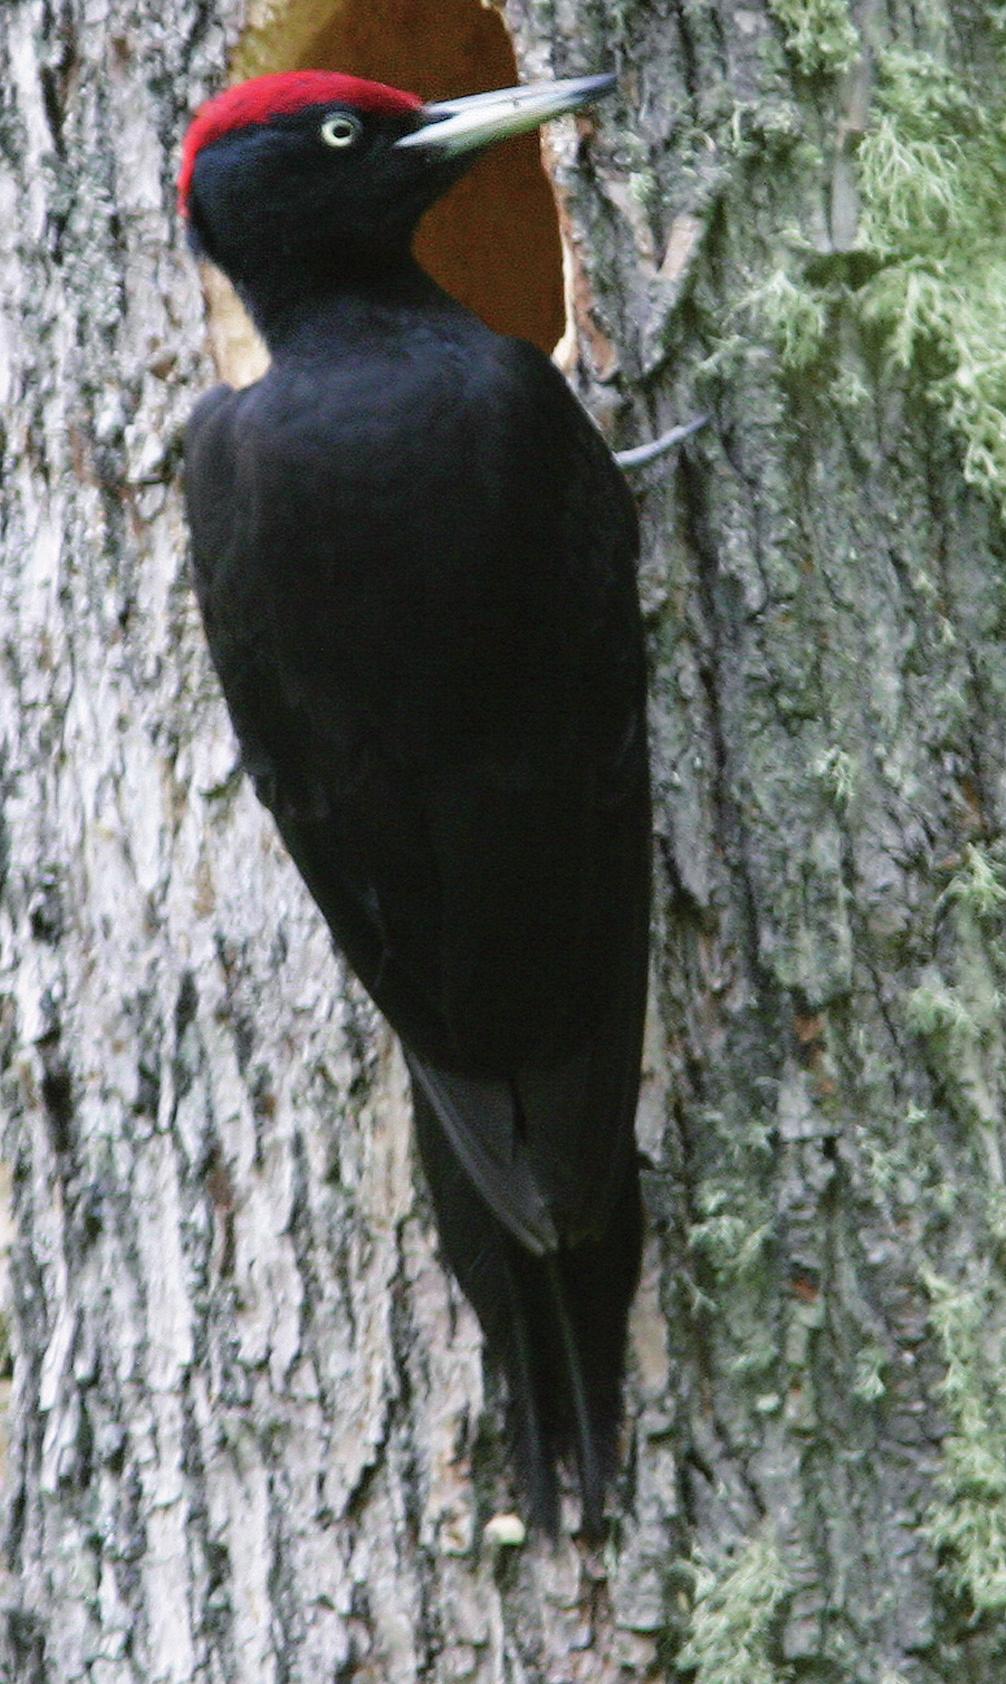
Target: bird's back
(415,560)
(418,571)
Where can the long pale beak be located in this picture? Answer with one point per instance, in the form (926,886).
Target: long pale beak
(458,125)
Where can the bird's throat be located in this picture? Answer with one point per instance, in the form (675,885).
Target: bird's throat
(302,315)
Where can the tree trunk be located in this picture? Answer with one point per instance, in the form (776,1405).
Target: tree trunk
(251,1441)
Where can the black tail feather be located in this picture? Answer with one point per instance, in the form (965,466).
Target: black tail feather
(555,1324)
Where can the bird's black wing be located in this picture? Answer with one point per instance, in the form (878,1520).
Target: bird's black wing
(560,863)
(488,880)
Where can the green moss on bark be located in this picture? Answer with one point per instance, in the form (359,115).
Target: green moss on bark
(967,1523)
(819,34)
(735,1608)
(796,317)
(932,174)
(931,177)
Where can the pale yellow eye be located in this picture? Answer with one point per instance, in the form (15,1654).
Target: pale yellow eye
(340,129)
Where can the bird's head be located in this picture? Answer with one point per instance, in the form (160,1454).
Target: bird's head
(321,173)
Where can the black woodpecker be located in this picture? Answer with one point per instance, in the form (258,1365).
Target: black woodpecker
(415,559)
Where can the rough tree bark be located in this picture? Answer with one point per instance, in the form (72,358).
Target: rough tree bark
(251,1438)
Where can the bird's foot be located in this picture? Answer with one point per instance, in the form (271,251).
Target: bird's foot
(641,454)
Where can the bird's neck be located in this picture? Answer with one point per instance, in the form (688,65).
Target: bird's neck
(297,312)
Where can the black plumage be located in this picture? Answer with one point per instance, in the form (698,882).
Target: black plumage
(414,557)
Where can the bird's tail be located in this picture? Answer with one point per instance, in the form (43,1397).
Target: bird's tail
(555,1324)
